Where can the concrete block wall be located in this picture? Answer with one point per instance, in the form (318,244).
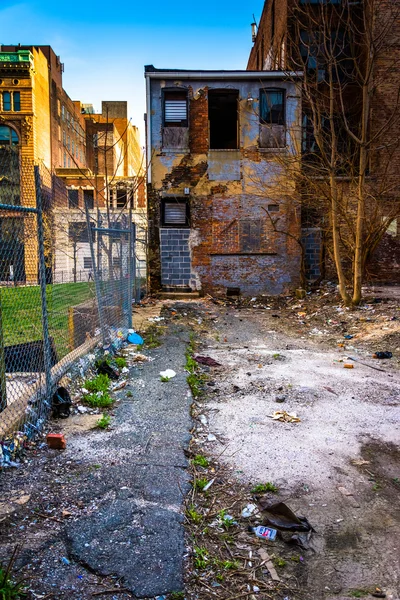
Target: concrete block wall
(312,241)
(175,257)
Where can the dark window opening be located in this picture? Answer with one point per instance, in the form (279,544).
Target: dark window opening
(88,196)
(73,199)
(17,101)
(6,101)
(122,199)
(223,119)
(78,233)
(250,236)
(87,262)
(272,107)
(175,213)
(175,109)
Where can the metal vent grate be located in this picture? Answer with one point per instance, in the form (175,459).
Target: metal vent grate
(174,213)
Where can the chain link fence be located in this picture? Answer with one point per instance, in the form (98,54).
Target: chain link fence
(69,272)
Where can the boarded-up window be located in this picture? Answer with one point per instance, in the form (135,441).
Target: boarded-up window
(175,109)
(175,213)
(250,235)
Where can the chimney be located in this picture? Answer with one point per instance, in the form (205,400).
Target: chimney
(253,32)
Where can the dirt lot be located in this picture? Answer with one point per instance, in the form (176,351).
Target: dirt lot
(340,465)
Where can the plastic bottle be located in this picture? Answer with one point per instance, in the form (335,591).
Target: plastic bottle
(266,533)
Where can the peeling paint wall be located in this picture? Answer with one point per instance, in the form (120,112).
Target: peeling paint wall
(237,198)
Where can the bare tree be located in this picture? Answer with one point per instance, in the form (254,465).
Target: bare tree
(347,53)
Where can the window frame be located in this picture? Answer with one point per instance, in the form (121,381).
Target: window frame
(182,200)
(176,91)
(265,91)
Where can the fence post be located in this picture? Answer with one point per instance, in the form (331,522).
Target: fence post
(43,292)
(95,275)
(3,387)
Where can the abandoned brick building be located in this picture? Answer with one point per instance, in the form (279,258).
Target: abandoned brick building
(221,214)
(282,37)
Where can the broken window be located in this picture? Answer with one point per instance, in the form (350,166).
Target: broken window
(175,212)
(175,109)
(250,235)
(223,119)
(272,118)
(122,199)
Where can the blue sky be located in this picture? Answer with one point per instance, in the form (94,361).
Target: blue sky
(104,51)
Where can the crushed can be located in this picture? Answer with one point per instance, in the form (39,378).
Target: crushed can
(266,533)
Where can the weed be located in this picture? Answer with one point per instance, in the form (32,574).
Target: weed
(129,395)
(261,488)
(101,383)
(152,337)
(358,593)
(98,400)
(276,356)
(196,382)
(228,538)
(200,484)
(280,562)
(376,487)
(120,362)
(296,558)
(103,422)
(10,589)
(177,596)
(219,577)
(226,520)
(200,461)
(96,466)
(227,564)
(200,558)
(192,513)
(396,480)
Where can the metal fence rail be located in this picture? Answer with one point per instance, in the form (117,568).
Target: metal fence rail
(68,278)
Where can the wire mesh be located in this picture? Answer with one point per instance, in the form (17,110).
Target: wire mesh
(69,272)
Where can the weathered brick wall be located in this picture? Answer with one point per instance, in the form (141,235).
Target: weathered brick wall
(231,241)
(266,45)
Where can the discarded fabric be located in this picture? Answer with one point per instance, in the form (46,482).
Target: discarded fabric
(382,355)
(207,360)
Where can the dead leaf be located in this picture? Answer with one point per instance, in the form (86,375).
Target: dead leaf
(345,492)
(282,415)
(269,564)
(22,499)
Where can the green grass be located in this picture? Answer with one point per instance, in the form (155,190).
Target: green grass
(358,593)
(22,315)
(103,422)
(9,588)
(120,362)
(200,484)
(100,383)
(192,514)
(98,400)
(261,488)
(200,461)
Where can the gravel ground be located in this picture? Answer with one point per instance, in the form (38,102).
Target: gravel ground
(339,465)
